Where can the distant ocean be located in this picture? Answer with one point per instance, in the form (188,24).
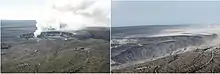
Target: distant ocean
(11,29)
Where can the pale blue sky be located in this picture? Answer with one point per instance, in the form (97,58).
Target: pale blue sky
(132,13)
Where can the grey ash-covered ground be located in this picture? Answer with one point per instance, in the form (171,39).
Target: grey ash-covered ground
(199,60)
(54,51)
(164,54)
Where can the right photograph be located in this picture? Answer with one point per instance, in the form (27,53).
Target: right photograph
(165,36)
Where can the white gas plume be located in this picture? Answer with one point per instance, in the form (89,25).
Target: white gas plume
(74,15)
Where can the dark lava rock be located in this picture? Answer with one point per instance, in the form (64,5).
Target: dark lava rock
(27,36)
(5,46)
(89,32)
(59,34)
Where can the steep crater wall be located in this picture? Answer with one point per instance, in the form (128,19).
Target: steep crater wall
(138,49)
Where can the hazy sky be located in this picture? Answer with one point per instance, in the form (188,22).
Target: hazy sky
(21,9)
(132,13)
(127,13)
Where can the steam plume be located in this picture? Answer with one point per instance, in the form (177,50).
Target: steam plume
(74,15)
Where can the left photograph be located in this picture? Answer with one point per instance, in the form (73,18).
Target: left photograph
(55,36)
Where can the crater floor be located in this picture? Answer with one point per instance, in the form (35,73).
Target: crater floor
(131,51)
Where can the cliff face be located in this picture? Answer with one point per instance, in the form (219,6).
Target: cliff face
(148,48)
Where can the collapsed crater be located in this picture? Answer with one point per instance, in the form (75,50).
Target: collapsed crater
(89,32)
(58,35)
(129,50)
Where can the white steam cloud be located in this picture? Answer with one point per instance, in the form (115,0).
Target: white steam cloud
(74,15)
